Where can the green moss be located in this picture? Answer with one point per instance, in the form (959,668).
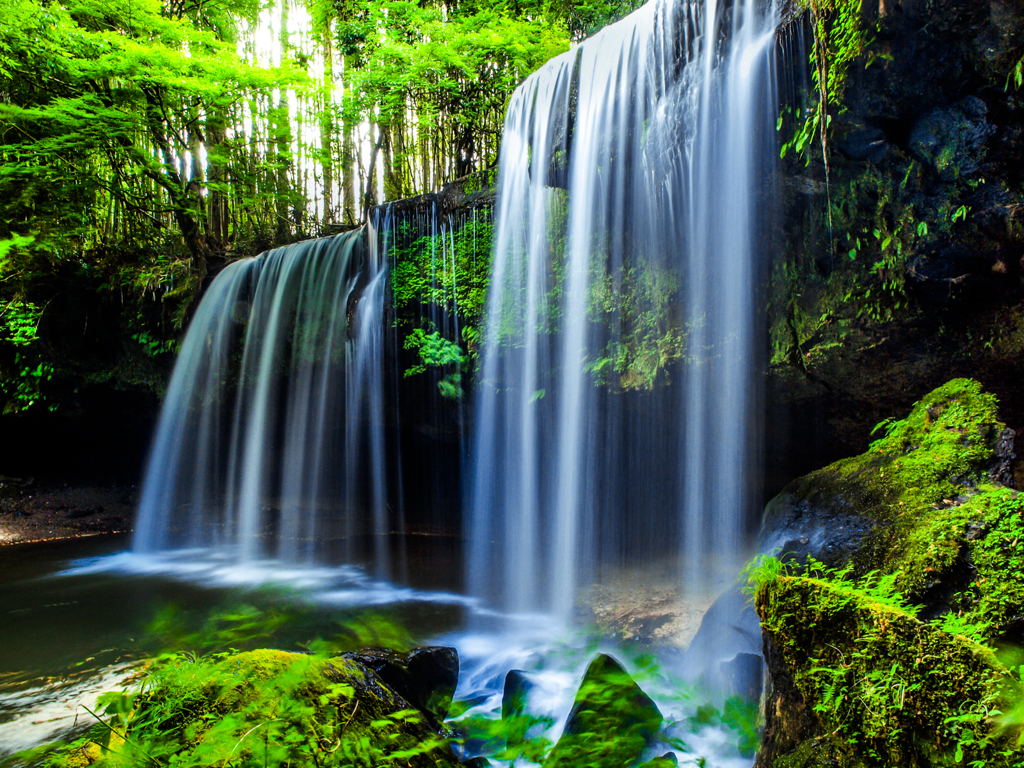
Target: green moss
(264,707)
(912,481)
(888,688)
(821,752)
(639,304)
(925,484)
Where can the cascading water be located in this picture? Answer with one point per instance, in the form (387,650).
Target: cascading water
(271,439)
(617,411)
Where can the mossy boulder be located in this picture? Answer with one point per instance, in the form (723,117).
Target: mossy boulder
(880,686)
(611,723)
(926,505)
(902,571)
(884,509)
(270,708)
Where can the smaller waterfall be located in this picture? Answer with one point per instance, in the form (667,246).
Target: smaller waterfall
(272,436)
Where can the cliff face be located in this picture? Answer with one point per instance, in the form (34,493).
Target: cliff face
(898,261)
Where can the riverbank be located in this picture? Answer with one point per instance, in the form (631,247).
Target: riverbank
(32,512)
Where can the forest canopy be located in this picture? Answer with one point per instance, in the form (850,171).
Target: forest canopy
(144,141)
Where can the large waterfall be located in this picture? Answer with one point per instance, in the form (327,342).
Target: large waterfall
(617,414)
(271,440)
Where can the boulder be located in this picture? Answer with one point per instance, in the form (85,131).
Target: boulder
(861,509)
(513,697)
(728,631)
(611,722)
(742,676)
(425,677)
(885,686)
(924,532)
(951,140)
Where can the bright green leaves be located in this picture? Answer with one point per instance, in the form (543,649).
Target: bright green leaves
(25,373)
(433,349)
(19,323)
(447,271)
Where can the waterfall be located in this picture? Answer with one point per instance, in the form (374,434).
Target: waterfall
(617,412)
(271,441)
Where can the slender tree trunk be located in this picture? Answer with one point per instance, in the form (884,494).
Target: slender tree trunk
(327,129)
(348,152)
(217,215)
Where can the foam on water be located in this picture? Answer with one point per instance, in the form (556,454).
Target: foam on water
(218,567)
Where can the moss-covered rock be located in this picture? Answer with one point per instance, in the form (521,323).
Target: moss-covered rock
(915,503)
(886,688)
(264,707)
(611,722)
(888,660)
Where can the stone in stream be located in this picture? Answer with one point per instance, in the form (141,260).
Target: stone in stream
(730,630)
(742,676)
(668,760)
(513,697)
(611,722)
(425,677)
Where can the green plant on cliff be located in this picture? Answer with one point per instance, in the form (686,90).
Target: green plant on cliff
(824,304)
(441,272)
(840,39)
(435,351)
(635,303)
(29,370)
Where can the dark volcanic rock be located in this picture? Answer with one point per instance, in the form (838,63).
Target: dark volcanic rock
(952,140)
(425,677)
(788,719)
(513,697)
(742,676)
(814,520)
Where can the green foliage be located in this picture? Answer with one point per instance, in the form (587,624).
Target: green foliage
(19,323)
(858,279)
(23,386)
(737,715)
(512,738)
(444,272)
(246,626)
(206,703)
(637,303)
(840,39)
(433,75)
(263,707)
(1016,75)
(423,270)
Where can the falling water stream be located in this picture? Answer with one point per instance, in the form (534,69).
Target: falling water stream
(271,441)
(617,411)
